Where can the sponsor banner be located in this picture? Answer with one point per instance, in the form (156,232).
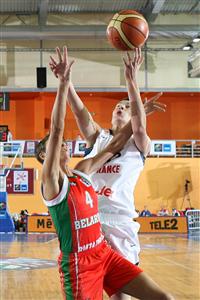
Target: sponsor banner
(20,181)
(79,148)
(19,147)
(147,224)
(29,148)
(163,147)
(40,224)
(13,148)
(163,224)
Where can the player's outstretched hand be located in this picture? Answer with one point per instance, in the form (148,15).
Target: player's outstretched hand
(132,64)
(61,67)
(151,105)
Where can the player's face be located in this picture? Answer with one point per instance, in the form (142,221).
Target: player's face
(65,152)
(121,113)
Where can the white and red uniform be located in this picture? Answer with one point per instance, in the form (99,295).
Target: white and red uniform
(114,184)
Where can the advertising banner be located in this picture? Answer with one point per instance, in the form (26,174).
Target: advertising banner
(163,224)
(163,148)
(20,181)
(40,223)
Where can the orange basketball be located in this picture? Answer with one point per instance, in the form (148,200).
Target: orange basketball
(127,29)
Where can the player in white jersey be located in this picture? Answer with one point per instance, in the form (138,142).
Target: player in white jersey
(116,180)
(114,184)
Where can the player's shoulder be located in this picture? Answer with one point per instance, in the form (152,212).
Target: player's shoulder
(104,133)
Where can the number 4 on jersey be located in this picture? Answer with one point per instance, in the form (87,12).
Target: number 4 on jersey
(88,199)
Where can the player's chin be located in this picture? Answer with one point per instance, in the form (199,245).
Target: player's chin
(65,158)
(68,156)
(120,118)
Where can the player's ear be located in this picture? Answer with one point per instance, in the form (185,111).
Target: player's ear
(42,155)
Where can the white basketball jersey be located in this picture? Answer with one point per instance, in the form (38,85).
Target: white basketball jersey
(115,181)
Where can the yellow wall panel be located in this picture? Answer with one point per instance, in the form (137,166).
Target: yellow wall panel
(161,183)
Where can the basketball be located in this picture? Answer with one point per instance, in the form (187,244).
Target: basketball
(127,30)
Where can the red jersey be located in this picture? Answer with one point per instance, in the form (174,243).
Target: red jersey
(75,215)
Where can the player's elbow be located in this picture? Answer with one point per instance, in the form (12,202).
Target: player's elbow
(139,129)
(57,129)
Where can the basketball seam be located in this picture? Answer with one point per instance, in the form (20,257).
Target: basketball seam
(123,17)
(112,34)
(134,28)
(125,36)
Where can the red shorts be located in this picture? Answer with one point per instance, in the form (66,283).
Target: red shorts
(85,275)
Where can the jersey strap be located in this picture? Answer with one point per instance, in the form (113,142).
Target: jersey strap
(81,174)
(59,198)
(87,150)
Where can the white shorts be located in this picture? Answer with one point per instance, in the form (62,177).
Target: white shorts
(121,233)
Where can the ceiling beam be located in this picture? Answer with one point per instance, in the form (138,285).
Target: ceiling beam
(194,6)
(152,9)
(98,89)
(158,5)
(43,12)
(86,31)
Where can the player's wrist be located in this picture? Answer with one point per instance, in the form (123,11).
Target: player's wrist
(64,81)
(63,84)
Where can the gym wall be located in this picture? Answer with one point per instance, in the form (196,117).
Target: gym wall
(29,115)
(161,183)
(165,69)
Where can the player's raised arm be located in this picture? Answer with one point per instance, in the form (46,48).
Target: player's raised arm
(138,116)
(87,126)
(51,166)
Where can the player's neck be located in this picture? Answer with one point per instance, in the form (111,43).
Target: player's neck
(67,170)
(116,127)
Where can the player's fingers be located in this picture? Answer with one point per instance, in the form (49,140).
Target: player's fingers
(51,67)
(145,100)
(68,71)
(160,104)
(159,108)
(65,54)
(71,63)
(141,60)
(138,55)
(125,62)
(54,72)
(53,60)
(155,97)
(59,54)
(129,57)
(134,60)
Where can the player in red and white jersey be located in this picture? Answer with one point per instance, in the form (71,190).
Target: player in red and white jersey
(86,263)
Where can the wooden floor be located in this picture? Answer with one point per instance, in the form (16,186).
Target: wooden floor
(29,272)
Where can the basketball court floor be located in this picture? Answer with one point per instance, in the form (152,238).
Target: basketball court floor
(29,268)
